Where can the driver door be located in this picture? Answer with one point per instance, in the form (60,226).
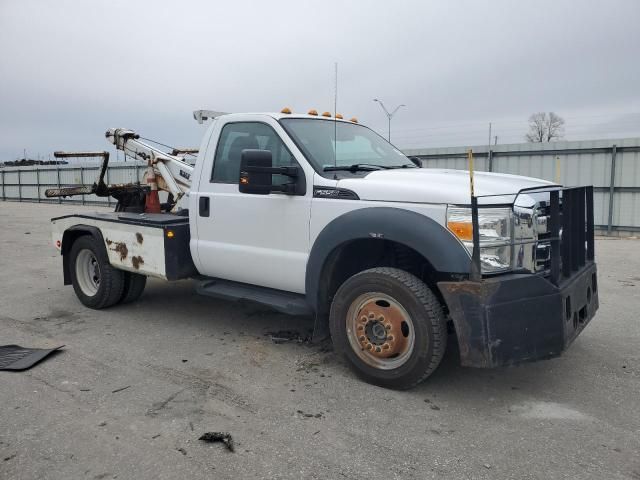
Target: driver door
(256,239)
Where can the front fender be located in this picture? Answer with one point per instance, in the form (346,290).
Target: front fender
(418,232)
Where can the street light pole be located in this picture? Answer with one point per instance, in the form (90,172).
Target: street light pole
(389,115)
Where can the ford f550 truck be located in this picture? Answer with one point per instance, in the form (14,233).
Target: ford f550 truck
(316,215)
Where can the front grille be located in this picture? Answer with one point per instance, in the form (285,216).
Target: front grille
(543,246)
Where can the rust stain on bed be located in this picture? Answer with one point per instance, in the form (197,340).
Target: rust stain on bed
(139,237)
(137,261)
(122,249)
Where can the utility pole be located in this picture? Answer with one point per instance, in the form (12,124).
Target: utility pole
(389,115)
(489,151)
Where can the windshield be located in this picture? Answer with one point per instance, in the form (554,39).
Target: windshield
(327,144)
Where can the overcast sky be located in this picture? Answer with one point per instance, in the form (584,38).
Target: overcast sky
(71,69)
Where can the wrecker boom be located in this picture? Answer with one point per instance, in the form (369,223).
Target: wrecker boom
(172,174)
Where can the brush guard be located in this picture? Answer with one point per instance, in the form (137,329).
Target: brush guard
(517,317)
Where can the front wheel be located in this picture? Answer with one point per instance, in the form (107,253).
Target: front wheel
(389,326)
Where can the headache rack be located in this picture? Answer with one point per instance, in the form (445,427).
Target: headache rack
(570,235)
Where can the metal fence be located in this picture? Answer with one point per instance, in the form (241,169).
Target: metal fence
(611,166)
(28,184)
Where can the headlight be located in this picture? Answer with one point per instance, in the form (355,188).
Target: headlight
(494,232)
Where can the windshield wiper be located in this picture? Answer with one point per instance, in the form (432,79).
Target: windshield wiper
(404,165)
(367,167)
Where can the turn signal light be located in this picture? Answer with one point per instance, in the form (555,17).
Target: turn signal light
(462,230)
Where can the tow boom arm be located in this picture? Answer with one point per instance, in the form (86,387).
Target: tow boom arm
(173,172)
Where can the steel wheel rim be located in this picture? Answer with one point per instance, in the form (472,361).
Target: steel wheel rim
(380,331)
(88,272)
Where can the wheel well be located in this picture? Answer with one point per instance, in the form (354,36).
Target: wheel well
(355,256)
(69,237)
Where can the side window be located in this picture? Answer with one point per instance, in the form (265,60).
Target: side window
(236,137)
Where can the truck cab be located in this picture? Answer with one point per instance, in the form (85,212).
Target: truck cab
(320,215)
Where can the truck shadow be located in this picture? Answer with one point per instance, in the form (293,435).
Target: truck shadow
(533,378)
(170,303)
(177,303)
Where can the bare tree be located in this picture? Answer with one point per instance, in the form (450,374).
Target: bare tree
(544,127)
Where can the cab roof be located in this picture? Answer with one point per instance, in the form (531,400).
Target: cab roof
(203,115)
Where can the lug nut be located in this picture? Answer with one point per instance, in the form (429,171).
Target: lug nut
(369,346)
(371,315)
(378,349)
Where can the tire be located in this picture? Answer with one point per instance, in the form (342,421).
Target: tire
(97,284)
(134,284)
(389,326)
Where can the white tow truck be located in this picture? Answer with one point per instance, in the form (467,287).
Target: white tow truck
(316,215)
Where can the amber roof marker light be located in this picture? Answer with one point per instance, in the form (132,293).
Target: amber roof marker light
(313,112)
(286,110)
(389,115)
(326,114)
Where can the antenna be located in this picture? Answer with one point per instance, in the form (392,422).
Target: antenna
(335,120)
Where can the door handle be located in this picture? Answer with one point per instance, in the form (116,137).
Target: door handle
(203,206)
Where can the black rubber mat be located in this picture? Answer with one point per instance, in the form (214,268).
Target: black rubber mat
(15,357)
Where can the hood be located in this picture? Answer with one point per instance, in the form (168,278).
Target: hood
(434,185)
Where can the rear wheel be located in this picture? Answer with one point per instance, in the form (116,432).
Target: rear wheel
(389,326)
(134,284)
(96,283)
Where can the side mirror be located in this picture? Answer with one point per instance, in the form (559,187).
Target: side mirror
(255,174)
(256,169)
(416,161)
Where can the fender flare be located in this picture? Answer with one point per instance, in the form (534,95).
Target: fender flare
(418,232)
(68,237)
